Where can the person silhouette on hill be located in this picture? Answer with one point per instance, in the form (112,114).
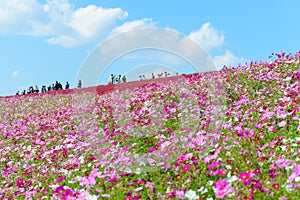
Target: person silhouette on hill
(124,79)
(60,86)
(36,89)
(44,88)
(111,79)
(153,76)
(30,90)
(79,84)
(56,85)
(67,85)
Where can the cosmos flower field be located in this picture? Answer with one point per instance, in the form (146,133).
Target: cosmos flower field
(229,134)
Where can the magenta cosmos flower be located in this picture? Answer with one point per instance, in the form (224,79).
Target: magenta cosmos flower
(186,168)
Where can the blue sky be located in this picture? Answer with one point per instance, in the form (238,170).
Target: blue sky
(42,41)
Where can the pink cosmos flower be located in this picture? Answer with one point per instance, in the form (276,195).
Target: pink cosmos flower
(282,163)
(181,159)
(213,165)
(95,173)
(221,190)
(20,182)
(238,130)
(128,198)
(248,132)
(244,175)
(257,170)
(255,184)
(295,173)
(186,168)
(298,75)
(113,178)
(283,198)
(84,182)
(220,184)
(282,124)
(246,181)
(179,194)
(272,173)
(59,189)
(60,179)
(67,195)
(221,172)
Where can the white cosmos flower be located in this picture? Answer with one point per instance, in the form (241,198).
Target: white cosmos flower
(203,190)
(191,195)
(138,171)
(92,197)
(210,183)
(231,179)
(81,159)
(228,167)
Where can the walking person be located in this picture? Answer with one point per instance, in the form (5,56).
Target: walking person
(36,89)
(124,79)
(111,79)
(60,86)
(79,84)
(31,90)
(67,85)
(44,88)
(56,85)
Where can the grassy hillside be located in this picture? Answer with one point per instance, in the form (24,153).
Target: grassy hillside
(231,134)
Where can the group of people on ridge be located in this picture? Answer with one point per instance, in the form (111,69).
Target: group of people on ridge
(116,79)
(56,86)
(112,80)
(160,75)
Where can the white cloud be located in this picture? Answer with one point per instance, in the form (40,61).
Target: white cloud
(228,59)
(58,20)
(208,37)
(89,21)
(64,25)
(64,41)
(15,14)
(128,26)
(15,74)
(84,24)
